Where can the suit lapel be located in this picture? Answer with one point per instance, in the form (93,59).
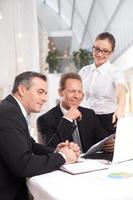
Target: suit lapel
(12,100)
(58,113)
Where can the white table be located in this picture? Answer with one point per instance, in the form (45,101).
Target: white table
(96,185)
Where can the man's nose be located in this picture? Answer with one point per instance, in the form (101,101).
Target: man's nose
(45,98)
(76,94)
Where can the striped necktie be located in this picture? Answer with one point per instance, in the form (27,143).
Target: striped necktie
(76,136)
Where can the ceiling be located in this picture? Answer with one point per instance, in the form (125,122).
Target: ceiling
(74,24)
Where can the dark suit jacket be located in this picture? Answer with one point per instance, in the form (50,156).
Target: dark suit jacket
(55,129)
(20,156)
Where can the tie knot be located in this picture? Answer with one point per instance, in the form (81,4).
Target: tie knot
(74,123)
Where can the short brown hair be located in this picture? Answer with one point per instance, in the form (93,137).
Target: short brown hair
(109,36)
(25,78)
(67,76)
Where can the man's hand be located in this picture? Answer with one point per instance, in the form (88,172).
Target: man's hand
(71,145)
(62,144)
(109,146)
(73,148)
(73,113)
(70,155)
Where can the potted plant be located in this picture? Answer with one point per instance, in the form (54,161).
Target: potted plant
(52,60)
(82,57)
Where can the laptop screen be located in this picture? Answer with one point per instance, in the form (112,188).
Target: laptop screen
(123,140)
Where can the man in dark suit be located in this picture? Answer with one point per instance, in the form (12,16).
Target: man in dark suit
(57,124)
(20,155)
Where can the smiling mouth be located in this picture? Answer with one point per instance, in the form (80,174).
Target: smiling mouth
(40,105)
(75,102)
(100,58)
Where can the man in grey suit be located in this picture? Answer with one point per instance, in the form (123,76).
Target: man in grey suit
(58,124)
(20,155)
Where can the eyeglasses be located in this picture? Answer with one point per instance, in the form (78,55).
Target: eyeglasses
(105,52)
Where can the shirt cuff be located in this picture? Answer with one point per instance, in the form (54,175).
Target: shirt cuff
(63,155)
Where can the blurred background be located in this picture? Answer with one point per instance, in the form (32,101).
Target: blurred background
(56,36)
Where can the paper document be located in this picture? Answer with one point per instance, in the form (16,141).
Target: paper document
(88,165)
(97,147)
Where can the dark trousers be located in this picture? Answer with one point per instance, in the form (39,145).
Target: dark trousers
(106,122)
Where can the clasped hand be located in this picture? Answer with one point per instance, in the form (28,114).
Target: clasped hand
(71,151)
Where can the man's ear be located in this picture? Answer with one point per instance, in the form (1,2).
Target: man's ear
(21,89)
(60,92)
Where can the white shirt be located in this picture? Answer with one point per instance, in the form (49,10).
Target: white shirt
(21,107)
(64,111)
(27,117)
(99,87)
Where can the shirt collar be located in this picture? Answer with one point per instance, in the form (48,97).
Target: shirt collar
(21,107)
(103,69)
(64,111)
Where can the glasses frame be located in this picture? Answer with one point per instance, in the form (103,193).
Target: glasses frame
(97,50)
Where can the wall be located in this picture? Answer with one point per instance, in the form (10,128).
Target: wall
(125,62)
(18,40)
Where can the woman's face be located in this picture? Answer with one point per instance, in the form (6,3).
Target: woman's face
(102,51)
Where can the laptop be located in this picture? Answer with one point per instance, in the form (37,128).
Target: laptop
(123,151)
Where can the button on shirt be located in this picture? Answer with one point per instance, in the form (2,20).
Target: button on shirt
(99,87)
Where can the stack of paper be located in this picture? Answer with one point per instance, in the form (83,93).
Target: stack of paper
(88,165)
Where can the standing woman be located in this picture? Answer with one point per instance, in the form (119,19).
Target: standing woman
(104,86)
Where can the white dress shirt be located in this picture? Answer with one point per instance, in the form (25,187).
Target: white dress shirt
(21,107)
(26,115)
(99,87)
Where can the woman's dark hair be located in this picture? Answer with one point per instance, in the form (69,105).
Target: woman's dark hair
(108,36)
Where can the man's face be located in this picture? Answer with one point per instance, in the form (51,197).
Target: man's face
(34,97)
(102,51)
(72,95)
